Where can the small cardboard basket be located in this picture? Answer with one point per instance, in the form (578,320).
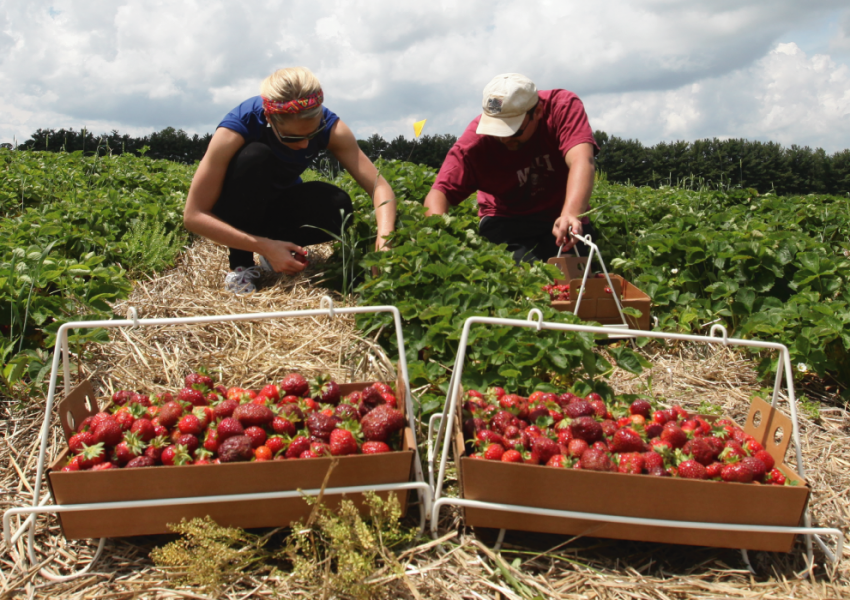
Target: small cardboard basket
(597,304)
(161,482)
(643,496)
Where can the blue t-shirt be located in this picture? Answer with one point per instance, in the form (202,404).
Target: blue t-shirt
(249,120)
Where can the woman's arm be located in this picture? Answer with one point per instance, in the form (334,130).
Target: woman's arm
(344,147)
(203,194)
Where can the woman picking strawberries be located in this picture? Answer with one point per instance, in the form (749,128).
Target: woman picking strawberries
(247,193)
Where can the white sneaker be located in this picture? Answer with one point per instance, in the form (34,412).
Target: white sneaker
(265,265)
(241,280)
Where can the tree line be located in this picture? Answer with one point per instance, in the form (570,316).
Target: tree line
(708,163)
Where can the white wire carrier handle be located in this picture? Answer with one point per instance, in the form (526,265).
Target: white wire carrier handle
(446,427)
(40,506)
(594,251)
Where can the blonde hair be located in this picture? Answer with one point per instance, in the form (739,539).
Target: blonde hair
(288,84)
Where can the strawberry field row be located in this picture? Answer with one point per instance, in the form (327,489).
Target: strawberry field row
(72,229)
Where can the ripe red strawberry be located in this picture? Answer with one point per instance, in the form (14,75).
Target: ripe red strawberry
(319,448)
(765,457)
(86,424)
(235,393)
(139,462)
(155,447)
(202,457)
(488,435)
(512,455)
(543,448)
(576,447)
(108,431)
(565,398)
(559,461)
(631,462)
(144,429)
(596,460)
(295,384)
(732,452)
(493,451)
(73,464)
(211,440)
(752,446)
(283,426)
(321,425)
(124,418)
(737,472)
(327,390)
(776,477)
(673,434)
(229,427)
(298,445)
(170,413)
(599,408)
(759,468)
(691,469)
(714,470)
(92,455)
(190,441)
(192,396)
(347,412)
(257,435)
(129,448)
(587,429)
(120,398)
(609,427)
(199,377)
(381,423)
(592,396)
(652,460)
(78,440)
(104,466)
(271,391)
(253,414)
(190,424)
(175,455)
(504,419)
(640,407)
(342,442)
(702,451)
(374,448)
(679,413)
(626,440)
(142,399)
(276,443)
(579,408)
(224,408)
(662,416)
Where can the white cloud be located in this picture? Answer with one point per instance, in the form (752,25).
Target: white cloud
(784,97)
(649,69)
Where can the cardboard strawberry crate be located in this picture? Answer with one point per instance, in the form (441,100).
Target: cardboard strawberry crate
(160,482)
(597,303)
(643,496)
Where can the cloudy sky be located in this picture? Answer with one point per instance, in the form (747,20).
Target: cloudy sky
(651,70)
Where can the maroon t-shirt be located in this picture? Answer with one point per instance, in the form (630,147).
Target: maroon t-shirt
(531,180)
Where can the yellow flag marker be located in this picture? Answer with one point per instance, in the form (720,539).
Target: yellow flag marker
(417,127)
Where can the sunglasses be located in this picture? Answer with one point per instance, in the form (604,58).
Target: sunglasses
(294,139)
(521,130)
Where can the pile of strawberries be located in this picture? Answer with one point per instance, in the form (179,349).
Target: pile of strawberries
(211,424)
(566,431)
(558,292)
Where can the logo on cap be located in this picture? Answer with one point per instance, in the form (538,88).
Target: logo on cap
(494,105)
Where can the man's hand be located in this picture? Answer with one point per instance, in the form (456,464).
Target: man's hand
(279,254)
(561,231)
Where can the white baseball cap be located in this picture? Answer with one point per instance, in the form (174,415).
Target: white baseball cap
(506,100)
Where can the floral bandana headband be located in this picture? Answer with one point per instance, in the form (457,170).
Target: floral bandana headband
(293,107)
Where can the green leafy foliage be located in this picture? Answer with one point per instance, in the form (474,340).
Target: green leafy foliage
(71,227)
(767,268)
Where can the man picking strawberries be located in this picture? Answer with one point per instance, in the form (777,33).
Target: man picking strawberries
(530,155)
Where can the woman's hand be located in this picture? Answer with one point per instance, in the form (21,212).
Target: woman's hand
(280,256)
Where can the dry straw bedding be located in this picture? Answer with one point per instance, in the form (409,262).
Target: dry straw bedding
(464,566)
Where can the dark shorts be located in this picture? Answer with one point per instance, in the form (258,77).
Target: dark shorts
(528,238)
(257,197)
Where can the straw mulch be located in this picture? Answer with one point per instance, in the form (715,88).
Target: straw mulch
(464,565)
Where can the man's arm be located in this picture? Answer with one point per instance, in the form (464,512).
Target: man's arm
(344,147)
(436,203)
(582,167)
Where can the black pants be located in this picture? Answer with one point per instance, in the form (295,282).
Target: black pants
(528,238)
(257,199)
